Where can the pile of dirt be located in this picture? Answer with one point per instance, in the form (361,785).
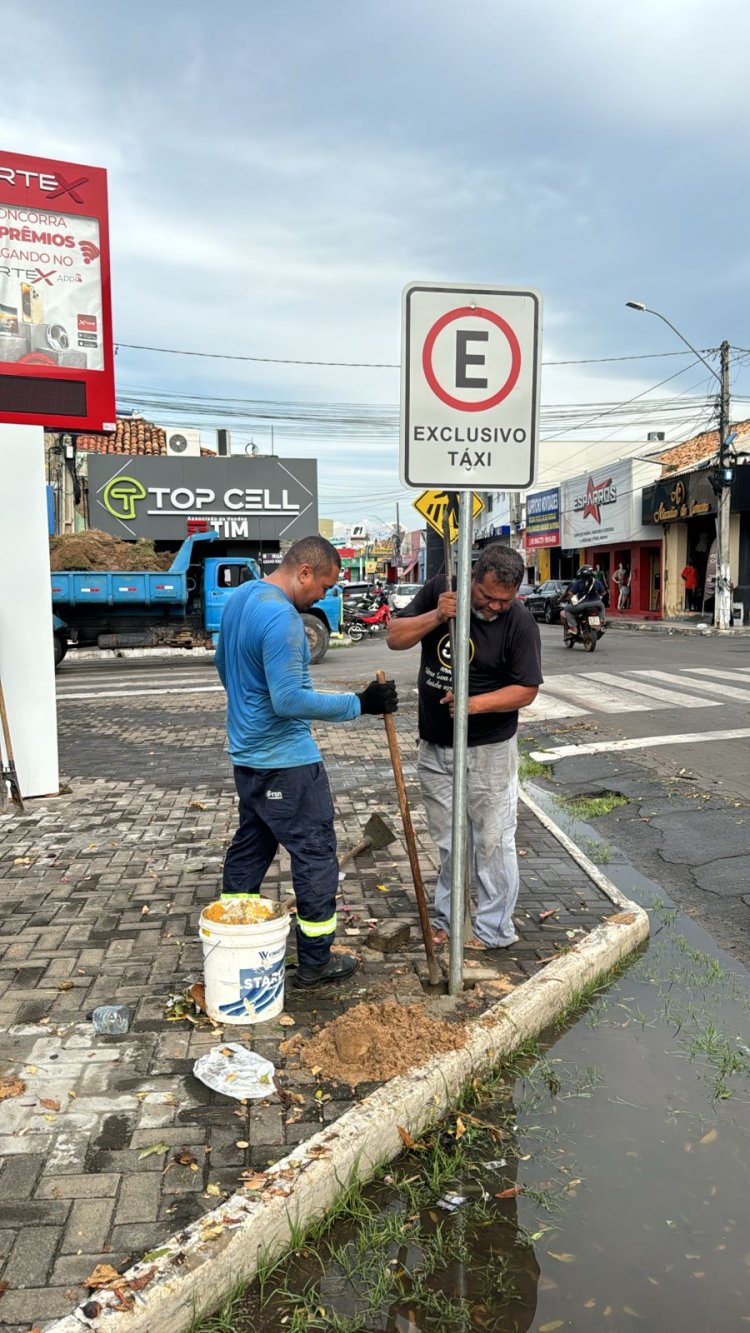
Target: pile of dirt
(374,1042)
(93,549)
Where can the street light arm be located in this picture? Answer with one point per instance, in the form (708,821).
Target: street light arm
(638,305)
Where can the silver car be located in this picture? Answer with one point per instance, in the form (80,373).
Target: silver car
(403,594)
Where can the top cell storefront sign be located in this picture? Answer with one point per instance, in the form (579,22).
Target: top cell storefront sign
(56,351)
(253,500)
(469,386)
(543,519)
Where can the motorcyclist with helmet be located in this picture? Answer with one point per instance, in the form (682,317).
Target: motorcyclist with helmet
(587,591)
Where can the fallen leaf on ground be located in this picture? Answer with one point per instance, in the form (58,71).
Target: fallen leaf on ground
(184,1157)
(4,1287)
(11,1087)
(318,1152)
(622,919)
(382,887)
(242,1143)
(562,1258)
(198,805)
(215,1190)
(460,1127)
(406,1137)
(212,1231)
(286,1021)
(254,1180)
(65,985)
(31,1069)
(138,1283)
(104,1275)
(544,916)
(198,996)
(511,1193)
(155,1148)
(50,1103)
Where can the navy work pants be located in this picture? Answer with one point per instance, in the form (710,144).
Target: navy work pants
(291,807)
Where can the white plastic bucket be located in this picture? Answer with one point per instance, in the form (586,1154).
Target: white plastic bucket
(243,968)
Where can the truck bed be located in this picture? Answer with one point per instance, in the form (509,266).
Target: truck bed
(125,587)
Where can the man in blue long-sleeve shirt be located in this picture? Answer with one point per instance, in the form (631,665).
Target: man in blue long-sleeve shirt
(264,664)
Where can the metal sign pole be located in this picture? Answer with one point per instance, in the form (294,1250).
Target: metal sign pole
(460,742)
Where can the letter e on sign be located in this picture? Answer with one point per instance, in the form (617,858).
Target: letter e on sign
(470,368)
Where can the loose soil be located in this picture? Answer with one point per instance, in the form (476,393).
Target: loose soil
(244,912)
(374,1042)
(93,549)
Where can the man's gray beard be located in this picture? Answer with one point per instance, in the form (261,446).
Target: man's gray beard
(480,615)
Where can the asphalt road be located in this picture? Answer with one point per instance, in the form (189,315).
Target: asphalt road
(687,821)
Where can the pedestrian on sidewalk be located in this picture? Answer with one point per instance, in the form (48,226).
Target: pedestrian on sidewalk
(264,663)
(505,673)
(623,600)
(689,577)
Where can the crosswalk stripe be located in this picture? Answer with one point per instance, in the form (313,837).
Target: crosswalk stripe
(705,686)
(598,700)
(108,694)
(547,709)
(670,697)
(714,671)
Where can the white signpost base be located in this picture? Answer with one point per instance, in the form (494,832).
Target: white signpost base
(26,650)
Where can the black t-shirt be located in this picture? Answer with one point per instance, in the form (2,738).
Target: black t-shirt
(504,651)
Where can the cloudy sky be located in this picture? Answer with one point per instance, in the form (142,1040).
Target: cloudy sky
(278,173)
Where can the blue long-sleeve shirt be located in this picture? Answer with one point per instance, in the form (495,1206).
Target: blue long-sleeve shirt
(263,661)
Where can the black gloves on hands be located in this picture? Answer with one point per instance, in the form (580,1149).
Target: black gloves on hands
(379,698)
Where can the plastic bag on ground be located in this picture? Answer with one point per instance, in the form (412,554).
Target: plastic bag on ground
(235,1071)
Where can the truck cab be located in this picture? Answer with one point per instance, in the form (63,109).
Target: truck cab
(222,575)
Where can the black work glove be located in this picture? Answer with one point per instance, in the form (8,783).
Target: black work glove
(379,698)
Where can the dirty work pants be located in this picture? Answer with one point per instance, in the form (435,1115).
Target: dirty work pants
(492,807)
(291,807)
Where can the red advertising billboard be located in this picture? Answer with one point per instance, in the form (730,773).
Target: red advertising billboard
(56,350)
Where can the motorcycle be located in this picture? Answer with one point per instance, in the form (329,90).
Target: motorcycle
(359,625)
(584,623)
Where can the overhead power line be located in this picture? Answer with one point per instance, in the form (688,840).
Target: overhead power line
(375,365)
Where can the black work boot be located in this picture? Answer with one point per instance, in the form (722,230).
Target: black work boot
(338,968)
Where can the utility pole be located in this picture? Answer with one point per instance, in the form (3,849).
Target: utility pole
(722,591)
(397,544)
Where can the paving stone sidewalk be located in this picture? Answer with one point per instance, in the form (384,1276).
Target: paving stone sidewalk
(102,889)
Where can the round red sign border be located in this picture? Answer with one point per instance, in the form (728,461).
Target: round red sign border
(476,312)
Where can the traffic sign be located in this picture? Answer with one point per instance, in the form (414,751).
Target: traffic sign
(433,505)
(470,367)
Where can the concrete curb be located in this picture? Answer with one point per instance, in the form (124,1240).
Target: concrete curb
(665,627)
(153,654)
(227,1243)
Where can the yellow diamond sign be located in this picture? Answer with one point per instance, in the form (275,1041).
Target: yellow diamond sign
(436,506)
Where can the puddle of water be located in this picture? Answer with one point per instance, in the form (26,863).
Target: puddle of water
(621,1148)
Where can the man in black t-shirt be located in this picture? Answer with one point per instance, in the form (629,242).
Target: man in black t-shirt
(505,673)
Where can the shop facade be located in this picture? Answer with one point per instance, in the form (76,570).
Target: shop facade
(601,519)
(685,506)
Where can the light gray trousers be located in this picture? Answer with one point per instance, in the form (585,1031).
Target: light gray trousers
(492,808)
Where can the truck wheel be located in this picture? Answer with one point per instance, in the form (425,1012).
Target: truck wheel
(317,637)
(61,648)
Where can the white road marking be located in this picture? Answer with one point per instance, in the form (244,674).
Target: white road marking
(740,675)
(117,685)
(653,691)
(546,708)
(707,686)
(637,743)
(132,694)
(596,700)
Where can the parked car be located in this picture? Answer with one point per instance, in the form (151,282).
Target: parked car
(402,594)
(524,591)
(545,600)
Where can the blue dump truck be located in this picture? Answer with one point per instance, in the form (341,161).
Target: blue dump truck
(178,608)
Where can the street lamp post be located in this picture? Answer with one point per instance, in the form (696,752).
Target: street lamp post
(723,589)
